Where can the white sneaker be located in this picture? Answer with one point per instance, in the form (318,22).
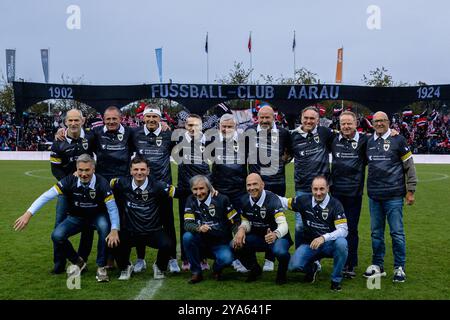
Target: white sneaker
(204,265)
(157,273)
(239,267)
(399,275)
(126,274)
(268,265)
(139,266)
(173,266)
(374,271)
(319,266)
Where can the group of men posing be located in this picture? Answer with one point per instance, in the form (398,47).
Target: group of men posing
(236,208)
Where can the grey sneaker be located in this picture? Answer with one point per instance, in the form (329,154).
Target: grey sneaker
(173,266)
(157,273)
(399,275)
(76,268)
(126,274)
(268,265)
(139,266)
(102,275)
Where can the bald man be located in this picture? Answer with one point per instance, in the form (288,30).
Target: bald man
(63,157)
(391,178)
(273,141)
(263,227)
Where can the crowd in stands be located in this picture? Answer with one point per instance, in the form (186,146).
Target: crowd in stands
(426,133)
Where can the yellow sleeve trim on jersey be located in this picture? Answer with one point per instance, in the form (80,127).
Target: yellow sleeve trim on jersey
(406,156)
(189,216)
(279,214)
(109,198)
(290,203)
(231,214)
(341,221)
(55,160)
(58,189)
(171,191)
(113,182)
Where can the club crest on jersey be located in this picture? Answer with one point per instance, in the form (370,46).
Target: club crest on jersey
(316,139)
(92,193)
(386,146)
(354,144)
(263,212)
(274,138)
(325,214)
(202,148)
(85,144)
(159,141)
(236,148)
(120,137)
(212,210)
(145,195)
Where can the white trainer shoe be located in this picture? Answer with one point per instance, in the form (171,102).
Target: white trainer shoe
(399,275)
(268,265)
(204,265)
(157,273)
(239,267)
(126,274)
(173,266)
(139,266)
(374,271)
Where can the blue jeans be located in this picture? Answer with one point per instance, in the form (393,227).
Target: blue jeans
(299,221)
(304,257)
(255,243)
(393,211)
(196,247)
(73,225)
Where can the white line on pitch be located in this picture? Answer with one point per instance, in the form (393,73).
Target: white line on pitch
(31,174)
(150,289)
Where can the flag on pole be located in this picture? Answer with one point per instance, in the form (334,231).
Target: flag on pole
(340,60)
(250,43)
(206,43)
(10,65)
(158,52)
(44,60)
(293,43)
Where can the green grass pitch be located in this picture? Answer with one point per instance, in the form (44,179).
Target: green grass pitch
(26,257)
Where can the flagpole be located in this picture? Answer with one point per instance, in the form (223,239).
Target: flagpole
(294,47)
(251,66)
(48,70)
(207,59)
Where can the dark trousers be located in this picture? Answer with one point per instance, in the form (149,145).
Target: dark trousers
(352,209)
(156,239)
(280,190)
(168,222)
(181,205)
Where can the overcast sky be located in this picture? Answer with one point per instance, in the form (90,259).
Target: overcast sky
(117,39)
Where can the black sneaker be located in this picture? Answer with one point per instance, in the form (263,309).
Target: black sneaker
(348,273)
(336,286)
(254,274)
(312,276)
(281,279)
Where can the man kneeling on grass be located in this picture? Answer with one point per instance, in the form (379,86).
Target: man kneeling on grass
(325,229)
(89,196)
(139,198)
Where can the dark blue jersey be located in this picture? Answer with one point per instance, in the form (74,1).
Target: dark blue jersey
(139,206)
(217,212)
(348,167)
(262,214)
(193,163)
(269,143)
(156,147)
(317,220)
(64,154)
(229,169)
(311,156)
(113,150)
(386,178)
(85,200)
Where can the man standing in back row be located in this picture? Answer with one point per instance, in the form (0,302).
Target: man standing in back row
(391,177)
